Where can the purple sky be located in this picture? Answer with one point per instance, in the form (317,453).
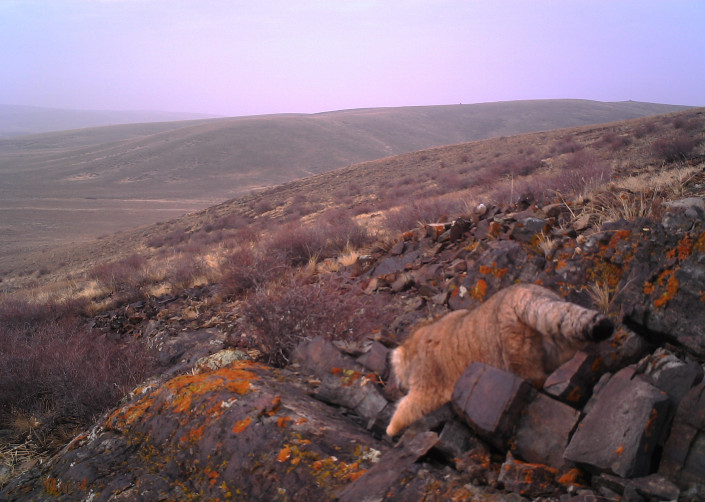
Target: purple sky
(245,57)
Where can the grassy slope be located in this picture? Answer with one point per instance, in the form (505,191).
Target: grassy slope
(468,172)
(76,185)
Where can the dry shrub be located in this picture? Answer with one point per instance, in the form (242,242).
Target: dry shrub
(566,145)
(170,239)
(124,276)
(245,269)
(614,141)
(278,318)
(680,147)
(184,270)
(646,129)
(56,368)
(298,243)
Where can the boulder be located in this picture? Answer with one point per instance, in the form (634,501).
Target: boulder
(544,430)
(683,460)
(244,431)
(376,482)
(490,401)
(619,434)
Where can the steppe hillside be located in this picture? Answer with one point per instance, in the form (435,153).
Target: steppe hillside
(353,254)
(73,186)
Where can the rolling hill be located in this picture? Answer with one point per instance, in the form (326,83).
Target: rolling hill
(18,120)
(76,185)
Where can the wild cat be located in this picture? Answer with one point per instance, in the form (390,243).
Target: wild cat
(526,329)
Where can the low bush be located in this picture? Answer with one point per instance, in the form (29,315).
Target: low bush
(127,275)
(276,319)
(680,147)
(244,270)
(55,368)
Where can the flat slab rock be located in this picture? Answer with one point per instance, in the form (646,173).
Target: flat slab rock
(242,432)
(620,432)
(490,401)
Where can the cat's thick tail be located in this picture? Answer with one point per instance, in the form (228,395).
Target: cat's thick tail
(551,315)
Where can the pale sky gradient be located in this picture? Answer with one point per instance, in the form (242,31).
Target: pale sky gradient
(245,57)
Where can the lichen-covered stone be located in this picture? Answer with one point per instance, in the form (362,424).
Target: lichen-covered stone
(241,432)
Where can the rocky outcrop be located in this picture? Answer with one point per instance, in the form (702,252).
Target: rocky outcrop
(241,432)
(625,418)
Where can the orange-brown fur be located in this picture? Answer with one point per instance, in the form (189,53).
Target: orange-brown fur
(526,329)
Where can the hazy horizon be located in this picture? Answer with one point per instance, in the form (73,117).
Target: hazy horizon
(238,58)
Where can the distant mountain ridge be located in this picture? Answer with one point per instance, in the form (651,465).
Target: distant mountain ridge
(19,120)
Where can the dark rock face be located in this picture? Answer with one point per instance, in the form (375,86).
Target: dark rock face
(684,454)
(240,432)
(544,430)
(490,400)
(621,430)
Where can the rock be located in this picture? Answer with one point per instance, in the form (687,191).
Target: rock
(394,264)
(459,228)
(529,480)
(544,430)
(374,484)
(322,358)
(672,375)
(490,401)
(684,452)
(244,431)
(219,360)
(526,229)
(454,440)
(375,359)
(573,381)
(354,390)
(624,444)
(652,487)
(662,293)
(398,248)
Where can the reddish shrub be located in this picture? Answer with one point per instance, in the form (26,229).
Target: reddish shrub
(279,318)
(53,366)
(121,276)
(680,147)
(646,129)
(566,145)
(244,270)
(170,239)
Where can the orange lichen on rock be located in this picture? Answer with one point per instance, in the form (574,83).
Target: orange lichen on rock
(284,454)
(479,290)
(127,415)
(194,434)
(683,250)
(241,425)
(493,270)
(232,378)
(283,422)
(670,282)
